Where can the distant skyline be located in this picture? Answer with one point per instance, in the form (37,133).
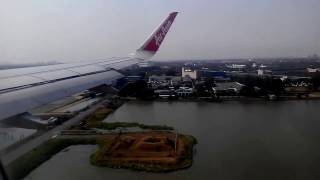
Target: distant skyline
(81,30)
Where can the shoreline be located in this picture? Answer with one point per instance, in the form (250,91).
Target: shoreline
(239,98)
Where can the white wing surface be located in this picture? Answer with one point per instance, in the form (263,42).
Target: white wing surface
(26,88)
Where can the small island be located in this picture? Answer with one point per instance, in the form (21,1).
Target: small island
(147,151)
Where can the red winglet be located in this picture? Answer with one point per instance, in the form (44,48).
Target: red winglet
(153,43)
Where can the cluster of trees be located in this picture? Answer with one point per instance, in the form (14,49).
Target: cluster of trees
(138,89)
(205,89)
(260,86)
(315,79)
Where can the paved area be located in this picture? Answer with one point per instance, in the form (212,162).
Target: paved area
(28,146)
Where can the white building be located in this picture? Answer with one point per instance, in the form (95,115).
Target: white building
(263,72)
(260,71)
(188,72)
(184,91)
(313,70)
(234,87)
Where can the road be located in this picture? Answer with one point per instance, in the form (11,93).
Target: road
(28,146)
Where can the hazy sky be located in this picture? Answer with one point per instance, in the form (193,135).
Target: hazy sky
(77,30)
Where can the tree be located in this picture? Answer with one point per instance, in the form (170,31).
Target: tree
(209,83)
(316,81)
(170,72)
(138,89)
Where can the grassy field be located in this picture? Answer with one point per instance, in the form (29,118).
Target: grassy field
(115,125)
(95,121)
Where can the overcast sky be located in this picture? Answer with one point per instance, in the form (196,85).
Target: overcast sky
(78,30)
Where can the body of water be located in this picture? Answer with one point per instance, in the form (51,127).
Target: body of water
(237,140)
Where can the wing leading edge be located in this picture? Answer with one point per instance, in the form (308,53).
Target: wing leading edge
(26,88)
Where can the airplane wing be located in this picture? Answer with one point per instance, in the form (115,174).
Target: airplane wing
(26,88)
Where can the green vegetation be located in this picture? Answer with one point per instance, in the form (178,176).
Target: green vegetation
(138,89)
(186,159)
(187,156)
(22,166)
(115,125)
(95,121)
